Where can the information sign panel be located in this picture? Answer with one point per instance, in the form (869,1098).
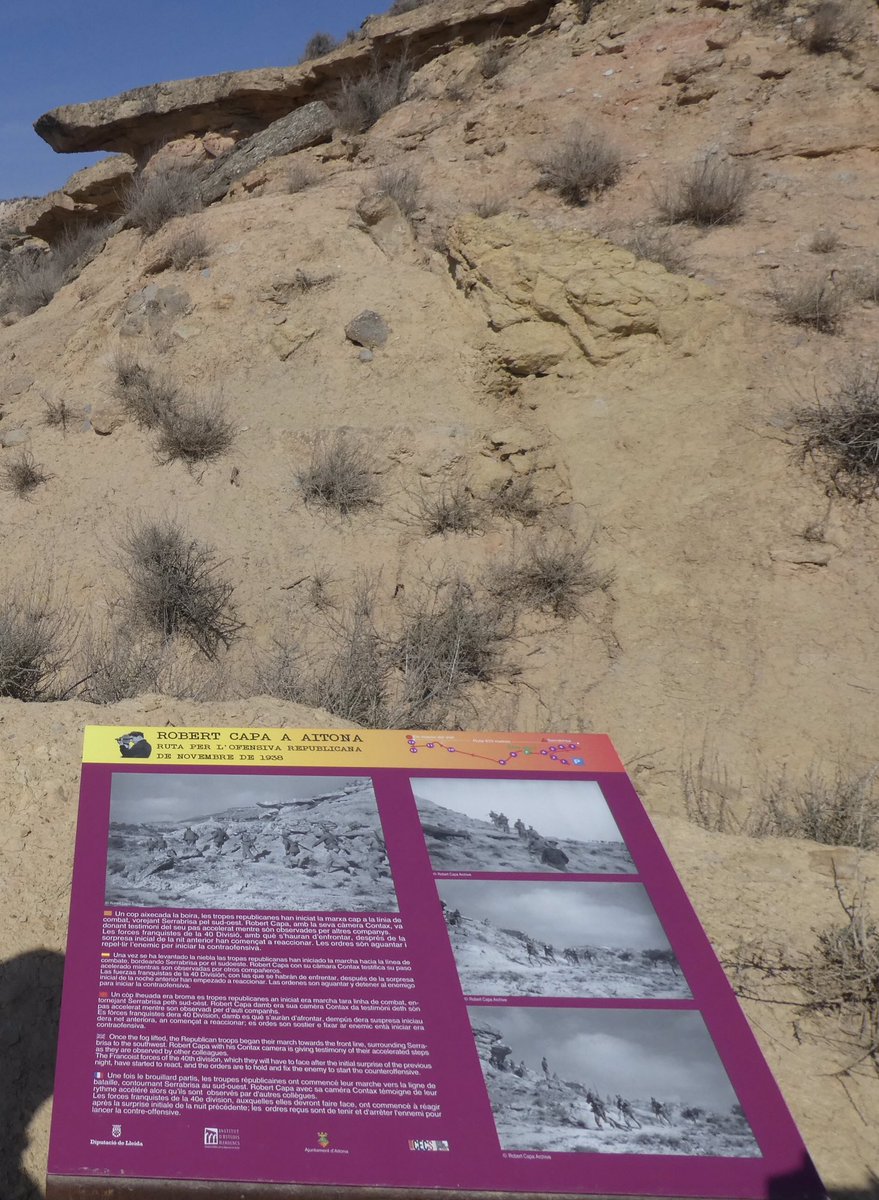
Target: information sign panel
(323,962)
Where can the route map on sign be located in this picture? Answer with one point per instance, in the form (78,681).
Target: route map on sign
(432,962)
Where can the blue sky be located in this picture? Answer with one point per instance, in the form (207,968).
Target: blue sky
(61,52)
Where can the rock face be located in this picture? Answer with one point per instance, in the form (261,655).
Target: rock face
(91,195)
(249,100)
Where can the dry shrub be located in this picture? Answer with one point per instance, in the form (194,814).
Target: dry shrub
(147,396)
(451,510)
(188,247)
(581,166)
(118,665)
(300,176)
(175,588)
(341,474)
(829,26)
(864,283)
(155,198)
(404,6)
(841,812)
(22,475)
(814,301)
(450,638)
(35,640)
(515,500)
(657,245)
(318,45)
(362,101)
(33,279)
(711,191)
(57,414)
(768,10)
(402,185)
(842,435)
(549,576)
(489,204)
(196,430)
(307,281)
(492,57)
(824,241)
(710,800)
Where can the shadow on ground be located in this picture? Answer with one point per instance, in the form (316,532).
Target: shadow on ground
(30,996)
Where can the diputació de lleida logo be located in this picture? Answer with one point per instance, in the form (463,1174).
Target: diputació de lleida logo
(134,745)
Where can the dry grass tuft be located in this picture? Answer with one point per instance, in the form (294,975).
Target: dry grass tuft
(490,204)
(657,245)
(318,45)
(815,301)
(147,396)
(842,435)
(155,198)
(175,588)
(451,510)
(196,430)
(117,666)
(829,26)
(403,185)
(35,639)
(515,500)
(710,800)
(581,166)
(57,414)
(492,57)
(31,280)
(188,247)
(362,101)
(711,191)
(549,576)
(824,241)
(300,176)
(341,474)
(22,475)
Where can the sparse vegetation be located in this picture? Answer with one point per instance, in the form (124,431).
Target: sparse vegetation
(404,6)
(549,576)
(864,283)
(362,101)
(57,413)
(815,301)
(403,185)
(516,500)
(175,587)
(188,247)
(318,45)
(197,430)
(35,638)
(581,166)
(31,280)
(153,199)
(842,435)
(657,245)
(451,510)
(147,396)
(300,176)
(492,57)
(117,666)
(22,475)
(768,10)
(824,241)
(712,191)
(711,801)
(829,26)
(841,812)
(341,474)
(490,204)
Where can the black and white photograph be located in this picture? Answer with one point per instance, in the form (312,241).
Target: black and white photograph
(558,826)
(560,938)
(288,842)
(608,1081)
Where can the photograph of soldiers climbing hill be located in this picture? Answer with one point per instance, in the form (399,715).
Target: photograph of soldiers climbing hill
(307,843)
(524,825)
(612,1081)
(559,938)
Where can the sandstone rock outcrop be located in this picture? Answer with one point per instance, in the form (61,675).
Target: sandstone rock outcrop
(134,121)
(91,195)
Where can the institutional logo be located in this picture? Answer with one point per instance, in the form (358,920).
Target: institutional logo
(323,1140)
(134,745)
(211,1137)
(116,1131)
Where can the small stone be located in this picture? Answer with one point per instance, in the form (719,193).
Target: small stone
(367,329)
(15,437)
(366,356)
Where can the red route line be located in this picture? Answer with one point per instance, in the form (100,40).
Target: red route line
(482,757)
